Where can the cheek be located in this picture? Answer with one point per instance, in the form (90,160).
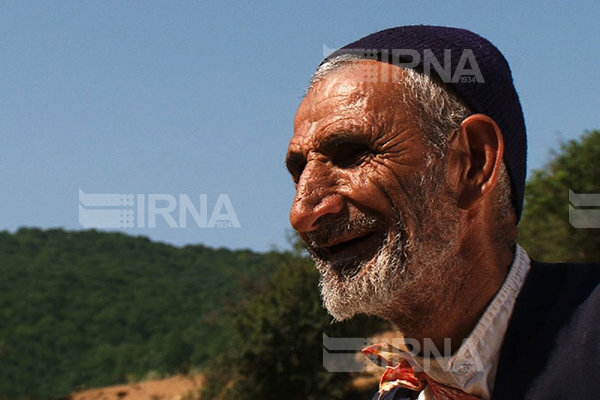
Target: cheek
(375,186)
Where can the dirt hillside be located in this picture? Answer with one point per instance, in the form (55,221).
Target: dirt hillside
(178,387)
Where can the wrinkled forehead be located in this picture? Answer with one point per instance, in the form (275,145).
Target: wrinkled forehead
(353,86)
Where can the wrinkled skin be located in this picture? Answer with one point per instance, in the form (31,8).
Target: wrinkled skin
(366,184)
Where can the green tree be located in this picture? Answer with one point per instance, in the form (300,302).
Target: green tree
(276,351)
(545,230)
(86,309)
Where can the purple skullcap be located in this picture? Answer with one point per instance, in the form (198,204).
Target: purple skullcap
(487,85)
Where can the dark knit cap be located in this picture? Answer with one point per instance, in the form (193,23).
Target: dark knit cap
(479,75)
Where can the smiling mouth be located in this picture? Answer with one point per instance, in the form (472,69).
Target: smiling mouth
(346,256)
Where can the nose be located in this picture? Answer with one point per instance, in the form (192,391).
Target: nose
(314,198)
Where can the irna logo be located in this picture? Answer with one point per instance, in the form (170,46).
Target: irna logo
(116,210)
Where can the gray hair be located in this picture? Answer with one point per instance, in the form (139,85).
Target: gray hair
(438,113)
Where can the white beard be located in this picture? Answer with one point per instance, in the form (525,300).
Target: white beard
(408,275)
(367,291)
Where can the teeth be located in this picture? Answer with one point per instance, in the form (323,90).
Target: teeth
(346,241)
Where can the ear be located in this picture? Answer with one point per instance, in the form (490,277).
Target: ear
(482,147)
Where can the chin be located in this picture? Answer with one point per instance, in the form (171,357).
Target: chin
(364,287)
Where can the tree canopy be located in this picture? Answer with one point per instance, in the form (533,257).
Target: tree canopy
(545,230)
(87,309)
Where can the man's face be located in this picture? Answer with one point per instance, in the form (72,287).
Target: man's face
(366,188)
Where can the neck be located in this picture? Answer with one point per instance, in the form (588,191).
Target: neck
(452,311)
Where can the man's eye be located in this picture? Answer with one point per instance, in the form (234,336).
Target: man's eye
(295,164)
(350,155)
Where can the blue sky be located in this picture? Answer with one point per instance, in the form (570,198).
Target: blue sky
(198,98)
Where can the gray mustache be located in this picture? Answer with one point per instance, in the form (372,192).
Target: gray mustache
(337,226)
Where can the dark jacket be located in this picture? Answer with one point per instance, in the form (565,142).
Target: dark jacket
(551,349)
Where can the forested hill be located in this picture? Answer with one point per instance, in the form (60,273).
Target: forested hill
(88,308)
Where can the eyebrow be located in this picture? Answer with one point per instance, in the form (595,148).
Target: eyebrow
(295,161)
(330,143)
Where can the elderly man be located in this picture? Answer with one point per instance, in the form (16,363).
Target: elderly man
(409,158)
